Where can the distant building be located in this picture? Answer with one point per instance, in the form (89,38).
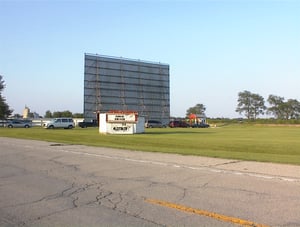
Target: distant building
(35,115)
(112,83)
(26,112)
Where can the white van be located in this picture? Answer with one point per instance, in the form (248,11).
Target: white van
(66,123)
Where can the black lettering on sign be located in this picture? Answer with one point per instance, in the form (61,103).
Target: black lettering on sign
(120,128)
(119,118)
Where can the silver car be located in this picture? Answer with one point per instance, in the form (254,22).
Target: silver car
(67,123)
(154,124)
(18,124)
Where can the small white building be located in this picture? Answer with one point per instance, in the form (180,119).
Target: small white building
(121,122)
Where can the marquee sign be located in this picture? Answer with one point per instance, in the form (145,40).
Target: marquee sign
(122,117)
(121,122)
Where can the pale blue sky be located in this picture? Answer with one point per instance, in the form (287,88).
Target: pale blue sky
(215,49)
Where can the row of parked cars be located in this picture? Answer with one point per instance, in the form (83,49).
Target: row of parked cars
(174,124)
(68,123)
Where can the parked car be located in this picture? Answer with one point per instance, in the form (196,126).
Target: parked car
(201,125)
(154,124)
(66,123)
(178,124)
(3,123)
(18,123)
(85,124)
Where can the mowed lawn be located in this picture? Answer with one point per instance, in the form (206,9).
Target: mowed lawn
(278,144)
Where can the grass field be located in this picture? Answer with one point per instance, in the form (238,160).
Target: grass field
(276,144)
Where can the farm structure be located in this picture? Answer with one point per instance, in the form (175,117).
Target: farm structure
(112,83)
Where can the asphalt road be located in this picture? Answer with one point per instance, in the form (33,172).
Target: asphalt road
(50,184)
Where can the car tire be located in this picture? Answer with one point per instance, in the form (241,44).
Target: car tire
(51,127)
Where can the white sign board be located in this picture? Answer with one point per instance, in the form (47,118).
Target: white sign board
(118,117)
(119,123)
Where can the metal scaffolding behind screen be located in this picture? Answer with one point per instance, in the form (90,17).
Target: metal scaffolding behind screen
(124,84)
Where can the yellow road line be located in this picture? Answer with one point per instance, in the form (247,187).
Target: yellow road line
(221,217)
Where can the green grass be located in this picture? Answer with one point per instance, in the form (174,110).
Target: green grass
(244,142)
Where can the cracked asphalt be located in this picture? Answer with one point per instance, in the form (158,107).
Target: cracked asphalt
(51,184)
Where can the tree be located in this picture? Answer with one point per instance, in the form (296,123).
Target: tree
(198,109)
(250,104)
(5,111)
(65,113)
(78,115)
(2,84)
(17,116)
(277,106)
(291,109)
(281,109)
(48,114)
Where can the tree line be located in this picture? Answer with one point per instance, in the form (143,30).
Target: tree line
(5,111)
(252,105)
(65,113)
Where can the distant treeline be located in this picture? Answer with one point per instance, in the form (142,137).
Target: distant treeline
(65,113)
(252,121)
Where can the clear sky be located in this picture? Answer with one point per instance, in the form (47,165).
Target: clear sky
(215,49)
